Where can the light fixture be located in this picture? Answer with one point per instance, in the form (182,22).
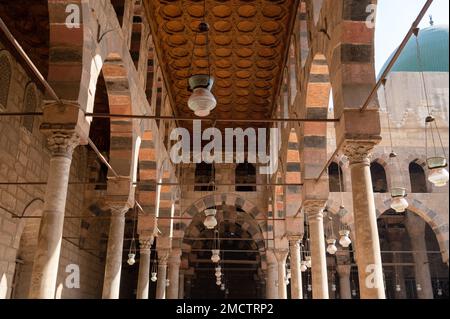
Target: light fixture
(399,202)
(288,273)
(398,288)
(333,287)
(222,287)
(354,292)
(154,277)
(309,287)
(398,192)
(154,271)
(218,272)
(438,173)
(167,282)
(437,163)
(202,101)
(418,287)
(331,238)
(131,259)
(219,282)
(303,266)
(345,240)
(308,261)
(210,221)
(331,248)
(132,251)
(215,258)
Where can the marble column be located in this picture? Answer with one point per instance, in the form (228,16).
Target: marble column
(281,256)
(181,285)
(370,269)
(396,236)
(163,255)
(345,288)
(144,267)
(416,230)
(46,258)
(272,274)
(174,262)
(296,274)
(114,254)
(318,253)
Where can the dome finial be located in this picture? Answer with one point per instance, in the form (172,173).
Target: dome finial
(431,20)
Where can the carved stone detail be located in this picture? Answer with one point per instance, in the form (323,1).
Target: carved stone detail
(358,151)
(63,143)
(145,244)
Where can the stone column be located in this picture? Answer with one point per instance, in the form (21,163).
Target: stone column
(345,288)
(46,258)
(296,274)
(416,230)
(272,267)
(365,220)
(181,285)
(281,256)
(314,210)
(163,255)
(144,267)
(114,254)
(396,236)
(174,274)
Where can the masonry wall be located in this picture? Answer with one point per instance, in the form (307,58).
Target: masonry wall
(24,158)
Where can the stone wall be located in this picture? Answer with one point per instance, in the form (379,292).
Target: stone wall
(24,158)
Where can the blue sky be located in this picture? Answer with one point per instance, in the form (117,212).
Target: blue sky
(394,18)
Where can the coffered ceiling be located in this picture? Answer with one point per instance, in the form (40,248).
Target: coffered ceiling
(246,51)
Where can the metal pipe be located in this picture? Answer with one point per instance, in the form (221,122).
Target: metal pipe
(397,54)
(152,183)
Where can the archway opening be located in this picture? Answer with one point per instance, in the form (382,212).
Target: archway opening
(379,180)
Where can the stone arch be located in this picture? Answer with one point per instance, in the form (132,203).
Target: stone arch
(6,71)
(253,218)
(437,223)
(317,87)
(28,231)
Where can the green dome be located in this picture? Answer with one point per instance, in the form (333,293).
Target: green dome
(433,48)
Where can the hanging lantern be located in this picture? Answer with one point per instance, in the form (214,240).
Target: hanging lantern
(419,287)
(354,292)
(215,258)
(218,273)
(438,173)
(398,288)
(333,287)
(308,261)
(222,287)
(131,259)
(399,202)
(303,266)
(219,282)
(167,282)
(288,274)
(210,221)
(154,277)
(331,248)
(345,240)
(440,292)
(309,287)
(342,211)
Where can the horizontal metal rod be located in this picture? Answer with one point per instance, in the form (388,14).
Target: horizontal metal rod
(153,183)
(206,119)
(131,218)
(174,118)
(397,54)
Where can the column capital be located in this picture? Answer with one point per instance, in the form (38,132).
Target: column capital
(62,143)
(175,256)
(359,151)
(118,209)
(145,244)
(294,240)
(314,209)
(163,256)
(281,254)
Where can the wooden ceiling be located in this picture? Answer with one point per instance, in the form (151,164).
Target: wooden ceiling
(248,44)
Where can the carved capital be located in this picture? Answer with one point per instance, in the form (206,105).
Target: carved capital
(294,241)
(359,151)
(62,143)
(118,209)
(281,255)
(145,243)
(314,209)
(163,256)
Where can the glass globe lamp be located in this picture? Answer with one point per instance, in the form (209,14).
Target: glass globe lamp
(345,240)
(438,173)
(210,221)
(131,259)
(331,248)
(215,258)
(399,202)
(154,277)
